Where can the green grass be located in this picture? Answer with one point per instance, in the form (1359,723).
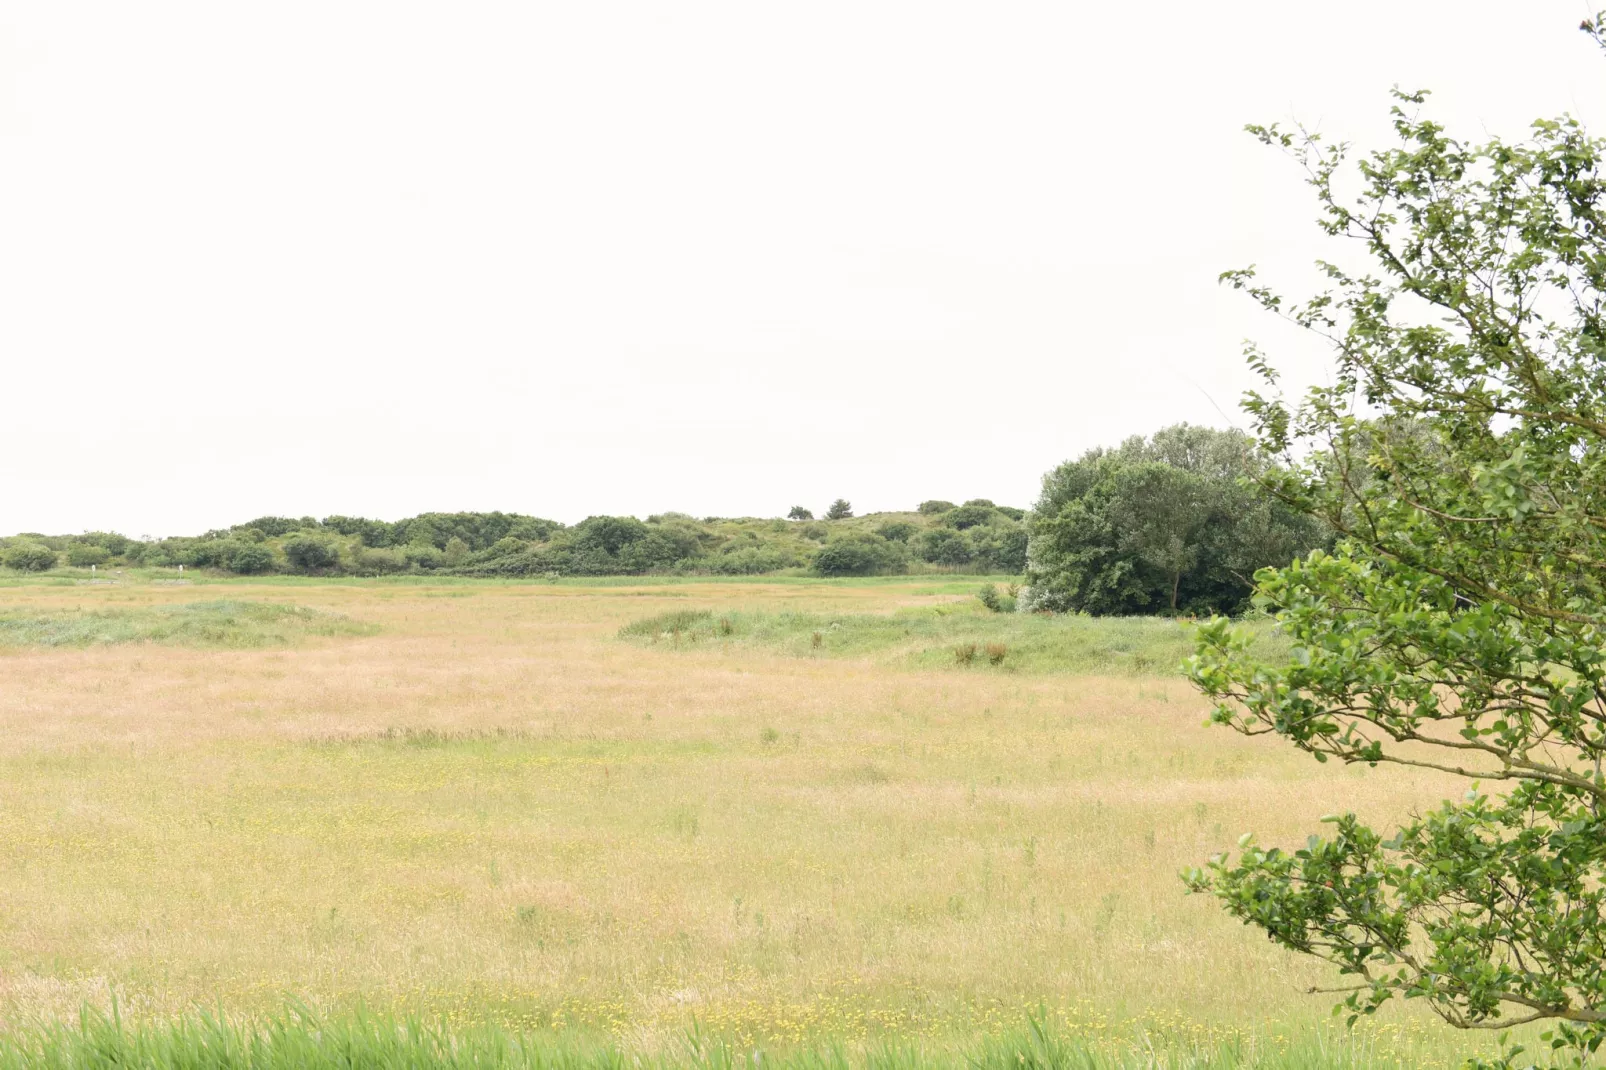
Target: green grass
(962,636)
(304,1040)
(228,624)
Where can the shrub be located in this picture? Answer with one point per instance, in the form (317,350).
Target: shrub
(1000,548)
(85,554)
(943,546)
(376,561)
(841,509)
(859,555)
(897,531)
(1011,512)
(799,513)
(248,558)
(30,557)
(969,515)
(935,507)
(996,600)
(509,545)
(965,653)
(981,502)
(456,551)
(996,653)
(423,555)
(311,553)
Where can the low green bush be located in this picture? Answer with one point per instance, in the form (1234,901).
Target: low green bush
(30,557)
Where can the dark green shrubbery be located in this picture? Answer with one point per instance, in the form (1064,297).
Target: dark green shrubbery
(943,546)
(249,558)
(860,555)
(799,513)
(897,531)
(841,509)
(934,507)
(1161,524)
(970,515)
(29,557)
(311,553)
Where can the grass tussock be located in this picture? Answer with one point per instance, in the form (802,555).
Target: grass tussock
(228,624)
(947,636)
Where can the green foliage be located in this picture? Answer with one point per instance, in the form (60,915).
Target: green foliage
(860,554)
(934,507)
(969,515)
(797,512)
(311,553)
(85,554)
(1460,622)
(997,601)
(943,546)
(249,558)
(841,509)
(1176,522)
(897,531)
(29,557)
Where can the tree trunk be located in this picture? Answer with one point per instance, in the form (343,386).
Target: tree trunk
(1176,582)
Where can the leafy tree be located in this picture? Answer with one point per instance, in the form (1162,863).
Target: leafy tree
(797,512)
(841,509)
(30,557)
(455,552)
(934,507)
(1157,523)
(1460,622)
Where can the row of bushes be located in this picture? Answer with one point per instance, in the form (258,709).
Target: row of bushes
(976,535)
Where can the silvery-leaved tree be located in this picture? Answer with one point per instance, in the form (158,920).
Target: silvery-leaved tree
(1460,623)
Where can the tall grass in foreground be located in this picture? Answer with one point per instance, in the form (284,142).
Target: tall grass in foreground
(303,1040)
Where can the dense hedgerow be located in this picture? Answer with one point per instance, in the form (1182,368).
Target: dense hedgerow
(513,545)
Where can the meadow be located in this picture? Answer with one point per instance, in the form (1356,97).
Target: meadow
(637,822)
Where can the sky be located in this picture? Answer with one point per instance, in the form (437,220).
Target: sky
(567,259)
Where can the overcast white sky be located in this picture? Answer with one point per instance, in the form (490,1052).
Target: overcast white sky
(575,258)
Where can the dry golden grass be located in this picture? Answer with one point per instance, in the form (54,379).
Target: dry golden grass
(494,809)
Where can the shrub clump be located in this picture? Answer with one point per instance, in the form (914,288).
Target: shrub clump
(30,557)
(860,555)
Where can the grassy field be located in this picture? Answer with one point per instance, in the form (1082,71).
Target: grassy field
(542,831)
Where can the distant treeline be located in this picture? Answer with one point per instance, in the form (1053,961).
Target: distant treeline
(975,536)
(1175,523)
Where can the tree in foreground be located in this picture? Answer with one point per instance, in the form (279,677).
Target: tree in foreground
(1459,624)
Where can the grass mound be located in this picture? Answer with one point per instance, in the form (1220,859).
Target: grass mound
(228,624)
(959,637)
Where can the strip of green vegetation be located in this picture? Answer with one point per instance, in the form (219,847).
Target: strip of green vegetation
(957,636)
(305,1041)
(204,624)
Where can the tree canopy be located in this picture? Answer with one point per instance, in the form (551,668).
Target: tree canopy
(1164,523)
(1457,625)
